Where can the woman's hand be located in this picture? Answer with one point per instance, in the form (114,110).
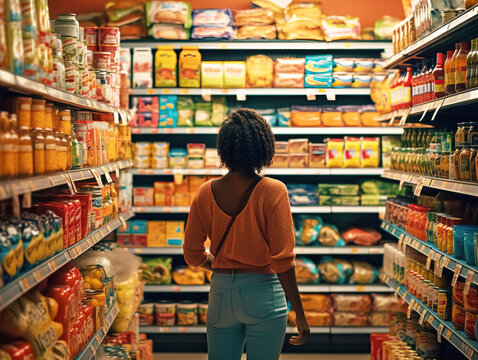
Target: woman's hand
(303,328)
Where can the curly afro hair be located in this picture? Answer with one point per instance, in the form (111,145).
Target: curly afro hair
(246,143)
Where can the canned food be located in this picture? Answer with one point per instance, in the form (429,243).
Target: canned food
(109,36)
(70,48)
(80,53)
(101,60)
(67,25)
(91,35)
(187,313)
(165,313)
(71,77)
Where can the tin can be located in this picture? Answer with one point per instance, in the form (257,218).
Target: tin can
(67,25)
(85,82)
(80,52)
(187,313)
(109,36)
(69,48)
(101,60)
(71,77)
(84,60)
(91,35)
(92,77)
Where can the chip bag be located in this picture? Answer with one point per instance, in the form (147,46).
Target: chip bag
(370,152)
(157,271)
(335,153)
(188,276)
(334,271)
(329,236)
(306,272)
(363,273)
(309,227)
(185,106)
(352,152)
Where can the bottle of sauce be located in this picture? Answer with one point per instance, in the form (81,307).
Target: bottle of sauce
(38,114)
(449,75)
(25,152)
(474,66)
(24,111)
(11,147)
(465,166)
(439,77)
(38,151)
(430,84)
(407,89)
(51,159)
(460,67)
(469,64)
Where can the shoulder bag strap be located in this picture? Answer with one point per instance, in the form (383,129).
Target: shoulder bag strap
(240,206)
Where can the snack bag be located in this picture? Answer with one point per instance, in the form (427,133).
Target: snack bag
(363,273)
(306,272)
(329,236)
(334,271)
(370,152)
(212,74)
(190,67)
(165,61)
(203,114)
(234,74)
(309,228)
(219,110)
(352,152)
(185,107)
(187,276)
(212,17)
(260,71)
(319,64)
(335,153)
(283,117)
(157,271)
(169,12)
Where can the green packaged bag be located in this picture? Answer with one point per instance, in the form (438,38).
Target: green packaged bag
(186,108)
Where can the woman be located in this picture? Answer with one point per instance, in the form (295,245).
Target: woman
(253,260)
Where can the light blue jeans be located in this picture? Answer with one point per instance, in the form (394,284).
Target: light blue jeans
(246,308)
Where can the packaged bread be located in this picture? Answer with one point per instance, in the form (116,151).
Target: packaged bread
(168,32)
(308,229)
(305,271)
(160,149)
(289,65)
(350,319)
(186,109)
(352,155)
(331,116)
(142,148)
(363,65)
(350,115)
(260,71)
(334,271)
(319,64)
(343,64)
(212,33)
(352,303)
(305,116)
(282,147)
(329,236)
(169,12)
(364,237)
(142,162)
(299,161)
(268,32)
(335,153)
(316,302)
(188,276)
(165,61)
(317,81)
(218,110)
(190,67)
(159,162)
(313,318)
(369,117)
(384,303)
(288,80)
(362,80)
(317,155)
(299,146)
(283,117)
(212,17)
(254,16)
(234,74)
(341,28)
(381,318)
(363,273)
(280,161)
(212,74)
(302,22)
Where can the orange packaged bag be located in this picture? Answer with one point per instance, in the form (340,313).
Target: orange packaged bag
(305,116)
(331,116)
(369,116)
(351,115)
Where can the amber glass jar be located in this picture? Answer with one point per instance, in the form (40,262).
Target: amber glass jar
(474,152)
(38,114)
(465,168)
(38,151)
(25,152)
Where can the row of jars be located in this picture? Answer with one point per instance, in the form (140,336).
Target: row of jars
(462,164)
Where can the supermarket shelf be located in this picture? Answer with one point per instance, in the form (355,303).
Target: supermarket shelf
(153,329)
(24,85)
(263,45)
(385,130)
(242,93)
(320,288)
(271,171)
(300,250)
(37,183)
(430,107)
(434,40)
(460,187)
(294,209)
(92,346)
(457,338)
(444,259)
(31,278)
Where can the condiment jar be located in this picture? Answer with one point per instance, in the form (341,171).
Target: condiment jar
(474,152)
(456,172)
(473,133)
(38,114)
(24,112)
(465,166)
(38,151)
(25,152)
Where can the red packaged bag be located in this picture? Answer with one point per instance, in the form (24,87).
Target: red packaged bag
(365,237)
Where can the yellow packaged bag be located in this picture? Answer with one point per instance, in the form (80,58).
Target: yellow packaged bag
(190,67)
(352,152)
(188,276)
(260,71)
(165,61)
(234,74)
(370,152)
(212,74)
(335,153)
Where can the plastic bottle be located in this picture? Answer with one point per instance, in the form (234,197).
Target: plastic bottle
(439,77)
(429,83)
(449,74)
(407,89)
(460,67)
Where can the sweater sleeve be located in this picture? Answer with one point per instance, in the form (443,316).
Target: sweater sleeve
(280,229)
(195,237)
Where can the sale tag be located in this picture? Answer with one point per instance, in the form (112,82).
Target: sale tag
(400,241)
(469,278)
(422,317)
(109,179)
(410,307)
(456,274)
(439,332)
(97,177)
(70,176)
(361,288)
(437,264)
(418,188)
(241,95)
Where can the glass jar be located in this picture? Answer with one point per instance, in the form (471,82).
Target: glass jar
(38,114)
(445,165)
(51,158)
(466,130)
(38,151)
(437,168)
(25,152)
(24,112)
(473,134)
(465,166)
(67,25)
(474,152)
(459,134)
(62,149)
(456,171)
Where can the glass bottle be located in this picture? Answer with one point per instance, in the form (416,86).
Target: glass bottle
(407,88)
(11,147)
(469,64)
(3,132)
(38,114)
(465,168)
(25,152)
(38,151)
(456,165)
(449,73)
(460,67)
(65,129)
(474,66)
(439,77)
(76,150)
(474,151)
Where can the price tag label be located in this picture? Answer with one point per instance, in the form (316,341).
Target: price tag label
(93,350)
(122,220)
(311,94)
(361,288)
(437,264)
(150,91)
(437,110)
(410,308)
(439,332)
(183,329)
(470,352)
(330,94)
(241,95)
(37,276)
(448,334)
(164,330)
(354,250)
(98,338)
(425,112)
(422,317)
(423,248)
(52,265)
(456,274)
(109,179)
(440,268)
(469,278)
(397,292)
(418,188)
(206,94)
(97,177)
(184,91)
(176,288)
(431,319)
(400,241)
(24,284)
(394,231)
(400,184)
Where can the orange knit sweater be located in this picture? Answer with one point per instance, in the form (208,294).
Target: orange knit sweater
(260,240)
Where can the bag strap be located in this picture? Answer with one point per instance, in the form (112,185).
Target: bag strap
(240,206)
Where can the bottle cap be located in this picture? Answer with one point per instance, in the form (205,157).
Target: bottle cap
(440,57)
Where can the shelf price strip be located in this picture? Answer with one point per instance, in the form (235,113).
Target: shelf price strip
(457,338)
(25,282)
(432,253)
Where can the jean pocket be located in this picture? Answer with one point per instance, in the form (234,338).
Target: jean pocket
(258,302)
(214,307)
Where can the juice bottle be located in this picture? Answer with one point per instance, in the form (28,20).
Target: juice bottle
(460,67)
(449,75)
(11,147)
(439,77)
(469,64)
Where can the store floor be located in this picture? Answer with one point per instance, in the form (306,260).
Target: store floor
(176,356)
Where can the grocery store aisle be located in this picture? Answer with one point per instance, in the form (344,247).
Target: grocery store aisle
(177,356)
